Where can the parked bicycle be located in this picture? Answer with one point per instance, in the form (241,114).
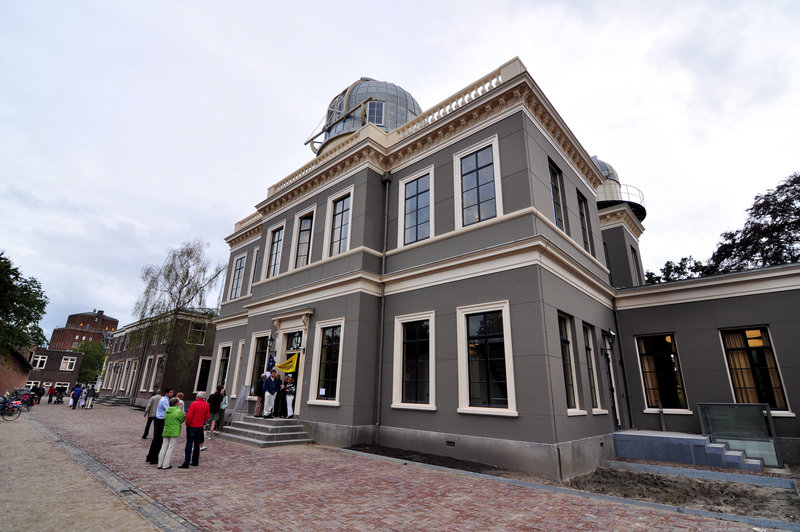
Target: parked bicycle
(10,409)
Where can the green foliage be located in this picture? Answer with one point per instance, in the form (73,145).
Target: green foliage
(686,268)
(22,305)
(94,353)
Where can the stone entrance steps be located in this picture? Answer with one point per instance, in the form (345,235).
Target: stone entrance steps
(109,400)
(680,448)
(259,432)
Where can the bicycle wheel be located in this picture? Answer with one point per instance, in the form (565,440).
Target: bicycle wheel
(11,413)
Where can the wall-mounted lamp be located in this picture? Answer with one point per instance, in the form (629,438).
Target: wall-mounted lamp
(610,336)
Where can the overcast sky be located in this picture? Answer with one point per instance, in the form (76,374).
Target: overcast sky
(129,127)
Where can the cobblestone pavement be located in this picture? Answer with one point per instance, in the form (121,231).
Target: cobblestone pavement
(239,488)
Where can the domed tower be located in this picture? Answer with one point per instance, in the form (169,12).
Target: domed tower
(384,104)
(621,210)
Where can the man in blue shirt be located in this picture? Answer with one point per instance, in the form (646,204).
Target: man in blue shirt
(158,426)
(76,395)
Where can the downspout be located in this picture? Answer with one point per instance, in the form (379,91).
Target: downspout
(622,366)
(387,181)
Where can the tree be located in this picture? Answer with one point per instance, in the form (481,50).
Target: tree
(94,354)
(770,237)
(22,305)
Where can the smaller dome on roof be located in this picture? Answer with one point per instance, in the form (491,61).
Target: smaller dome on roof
(606,169)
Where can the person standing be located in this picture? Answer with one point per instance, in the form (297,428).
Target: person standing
(51,392)
(279,410)
(195,419)
(158,426)
(271,387)
(260,387)
(289,389)
(90,394)
(214,402)
(172,429)
(150,412)
(76,395)
(181,404)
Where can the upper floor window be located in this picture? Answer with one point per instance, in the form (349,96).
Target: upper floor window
(477,187)
(68,363)
(275,246)
(197,333)
(222,365)
(303,247)
(375,113)
(39,361)
(339,226)
(661,372)
(255,271)
(415,208)
(754,371)
(636,270)
(236,280)
(559,200)
(586,224)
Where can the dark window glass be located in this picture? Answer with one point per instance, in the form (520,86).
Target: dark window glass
(260,362)
(661,372)
(477,187)
(339,225)
(236,285)
(586,225)
(197,333)
(329,363)
(417,209)
(754,370)
(557,186)
(416,361)
(588,342)
(566,360)
(304,241)
(202,377)
(224,359)
(255,268)
(487,361)
(273,264)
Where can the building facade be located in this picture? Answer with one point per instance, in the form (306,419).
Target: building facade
(92,326)
(166,351)
(14,370)
(55,367)
(448,280)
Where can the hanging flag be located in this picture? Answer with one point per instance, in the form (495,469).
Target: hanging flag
(290,366)
(270,363)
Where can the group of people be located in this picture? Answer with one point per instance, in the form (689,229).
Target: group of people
(80,397)
(166,413)
(275,397)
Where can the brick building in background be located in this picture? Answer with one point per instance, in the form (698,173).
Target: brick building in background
(92,326)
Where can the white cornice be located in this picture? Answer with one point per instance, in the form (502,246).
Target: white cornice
(621,215)
(754,282)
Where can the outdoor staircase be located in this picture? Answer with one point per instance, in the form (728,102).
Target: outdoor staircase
(680,448)
(109,400)
(260,432)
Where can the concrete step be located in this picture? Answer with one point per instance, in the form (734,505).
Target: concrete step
(263,436)
(254,442)
(261,427)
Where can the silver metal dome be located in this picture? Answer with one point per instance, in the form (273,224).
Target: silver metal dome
(606,169)
(384,104)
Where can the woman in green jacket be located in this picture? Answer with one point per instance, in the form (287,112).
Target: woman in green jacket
(173,418)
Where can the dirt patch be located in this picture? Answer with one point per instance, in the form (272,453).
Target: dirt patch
(708,495)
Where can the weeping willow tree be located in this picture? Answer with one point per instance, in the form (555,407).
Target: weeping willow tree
(179,285)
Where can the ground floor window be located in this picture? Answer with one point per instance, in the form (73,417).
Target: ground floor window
(259,362)
(224,361)
(661,372)
(32,384)
(567,360)
(327,365)
(753,368)
(203,370)
(62,386)
(414,362)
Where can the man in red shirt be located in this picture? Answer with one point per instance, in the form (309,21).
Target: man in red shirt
(196,417)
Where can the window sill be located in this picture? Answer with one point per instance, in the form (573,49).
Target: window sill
(782,413)
(678,411)
(318,402)
(414,406)
(599,411)
(481,411)
(575,412)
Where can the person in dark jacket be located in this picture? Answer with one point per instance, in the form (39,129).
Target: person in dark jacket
(259,389)
(214,403)
(271,387)
(76,395)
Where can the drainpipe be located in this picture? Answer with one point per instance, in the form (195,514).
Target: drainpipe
(387,181)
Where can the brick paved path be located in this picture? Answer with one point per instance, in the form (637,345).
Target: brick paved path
(313,487)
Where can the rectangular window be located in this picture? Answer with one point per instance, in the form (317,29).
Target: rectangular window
(636,270)
(64,386)
(586,224)
(588,345)
(754,371)
(661,372)
(416,361)
(197,333)
(567,360)
(148,368)
(255,269)
(32,384)
(416,209)
(375,113)
(224,361)
(236,279)
(68,363)
(203,371)
(275,246)
(303,253)
(329,363)
(559,201)
(340,226)
(260,362)
(477,187)
(39,361)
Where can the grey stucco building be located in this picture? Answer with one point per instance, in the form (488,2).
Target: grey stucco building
(453,281)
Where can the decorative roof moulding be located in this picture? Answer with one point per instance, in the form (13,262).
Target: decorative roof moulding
(508,86)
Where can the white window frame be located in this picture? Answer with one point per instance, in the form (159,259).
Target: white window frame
(220,347)
(242,256)
(148,365)
(254,278)
(401,207)
(296,234)
(125,368)
(397,369)
(197,374)
(268,249)
(312,400)
(152,385)
(32,384)
(68,361)
(463,360)
(592,352)
(251,357)
(653,410)
(233,391)
(577,411)
(333,198)
(498,188)
(191,330)
(39,361)
(383,111)
(131,377)
(62,384)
